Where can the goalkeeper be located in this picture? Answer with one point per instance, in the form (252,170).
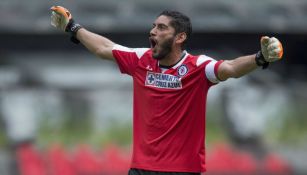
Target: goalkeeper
(170,89)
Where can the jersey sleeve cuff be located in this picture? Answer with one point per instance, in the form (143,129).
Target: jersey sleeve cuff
(211,71)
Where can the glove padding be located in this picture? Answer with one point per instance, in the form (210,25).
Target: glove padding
(60,17)
(271,48)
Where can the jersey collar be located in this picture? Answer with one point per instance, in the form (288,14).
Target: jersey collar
(174,66)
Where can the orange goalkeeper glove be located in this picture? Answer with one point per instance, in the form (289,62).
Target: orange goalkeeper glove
(271,50)
(62,19)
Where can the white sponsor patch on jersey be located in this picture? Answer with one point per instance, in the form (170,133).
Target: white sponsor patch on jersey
(165,81)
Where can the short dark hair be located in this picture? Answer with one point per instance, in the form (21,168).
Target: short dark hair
(180,22)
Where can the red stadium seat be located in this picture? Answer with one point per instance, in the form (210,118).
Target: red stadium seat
(30,161)
(58,162)
(86,162)
(116,161)
(274,164)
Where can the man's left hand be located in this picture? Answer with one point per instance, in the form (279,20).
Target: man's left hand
(271,48)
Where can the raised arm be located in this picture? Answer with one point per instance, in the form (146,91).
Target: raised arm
(62,19)
(271,50)
(99,45)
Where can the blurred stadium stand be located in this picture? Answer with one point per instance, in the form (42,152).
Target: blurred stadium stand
(25,25)
(136,15)
(40,64)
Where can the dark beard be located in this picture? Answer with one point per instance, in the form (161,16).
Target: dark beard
(166,48)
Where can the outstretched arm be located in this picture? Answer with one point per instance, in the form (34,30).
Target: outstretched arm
(237,67)
(62,19)
(271,50)
(99,45)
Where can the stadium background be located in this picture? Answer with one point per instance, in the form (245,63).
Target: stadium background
(63,111)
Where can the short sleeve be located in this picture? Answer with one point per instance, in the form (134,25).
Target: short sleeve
(127,58)
(211,67)
(211,71)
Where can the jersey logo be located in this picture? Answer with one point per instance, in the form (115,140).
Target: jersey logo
(149,68)
(182,70)
(165,81)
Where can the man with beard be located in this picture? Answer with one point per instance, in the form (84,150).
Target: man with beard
(170,89)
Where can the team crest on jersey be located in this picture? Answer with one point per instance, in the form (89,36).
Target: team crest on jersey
(182,70)
(165,81)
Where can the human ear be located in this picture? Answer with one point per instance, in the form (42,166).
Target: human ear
(181,37)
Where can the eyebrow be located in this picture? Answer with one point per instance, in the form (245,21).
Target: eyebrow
(160,24)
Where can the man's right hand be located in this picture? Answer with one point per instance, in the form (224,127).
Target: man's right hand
(60,17)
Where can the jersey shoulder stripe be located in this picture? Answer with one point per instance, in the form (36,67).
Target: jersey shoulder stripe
(138,51)
(202,59)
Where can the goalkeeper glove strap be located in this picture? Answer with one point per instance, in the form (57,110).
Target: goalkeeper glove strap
(72,28)
(260,61)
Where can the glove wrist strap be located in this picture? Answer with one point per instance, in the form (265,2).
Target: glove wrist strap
(260,61)
(72,28)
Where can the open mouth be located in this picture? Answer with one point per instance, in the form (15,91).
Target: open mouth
(153,42)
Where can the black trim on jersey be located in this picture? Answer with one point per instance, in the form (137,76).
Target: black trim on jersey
(168,67)
(134,171)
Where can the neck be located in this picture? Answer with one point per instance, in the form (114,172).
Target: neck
(172,58)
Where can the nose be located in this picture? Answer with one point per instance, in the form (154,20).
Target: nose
(153,31)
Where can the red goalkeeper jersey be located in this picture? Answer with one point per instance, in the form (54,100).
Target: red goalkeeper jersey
(169,108)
